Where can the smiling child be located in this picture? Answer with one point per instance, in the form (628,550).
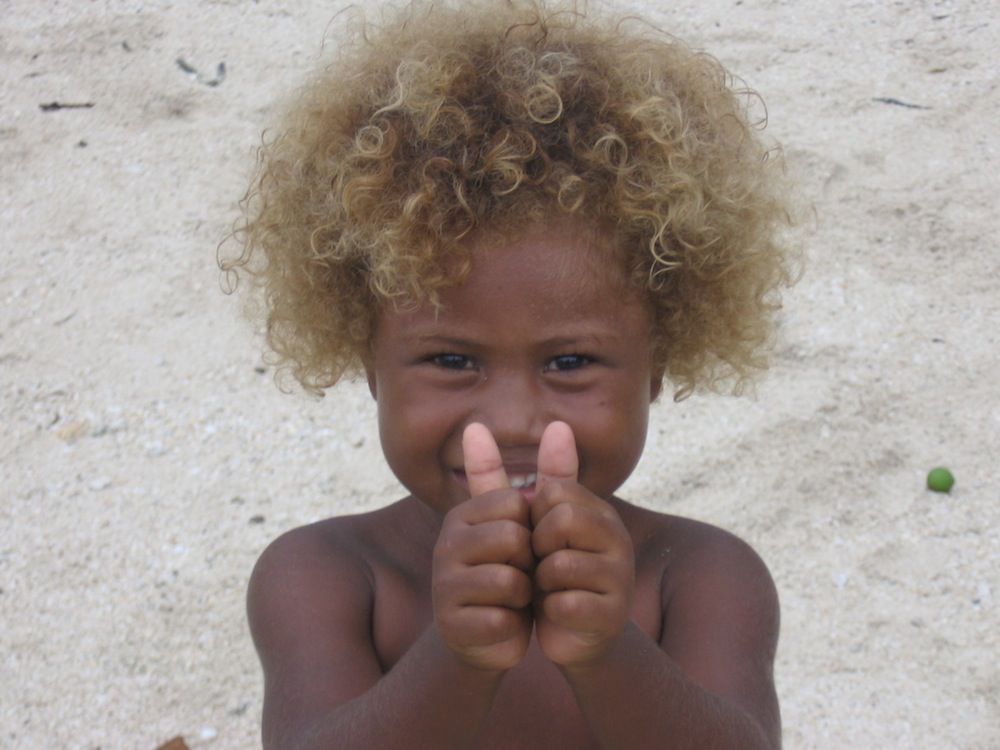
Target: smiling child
(517,223)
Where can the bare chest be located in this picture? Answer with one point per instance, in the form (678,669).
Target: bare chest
(534,706)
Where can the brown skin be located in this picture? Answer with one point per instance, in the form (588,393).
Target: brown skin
(472,614)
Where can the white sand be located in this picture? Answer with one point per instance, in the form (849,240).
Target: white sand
(145,463)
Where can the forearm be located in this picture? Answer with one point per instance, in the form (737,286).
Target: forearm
(637,698)
(428,700)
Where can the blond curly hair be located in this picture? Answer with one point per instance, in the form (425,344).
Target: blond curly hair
(444,120)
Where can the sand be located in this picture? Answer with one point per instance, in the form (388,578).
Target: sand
(145,461)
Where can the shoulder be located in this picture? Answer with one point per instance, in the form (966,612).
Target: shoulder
(295,568)
(332,544)
(347,545)
(721,617)
(711,567)
(695,554)
(326,570)
(310,603)
(720,612)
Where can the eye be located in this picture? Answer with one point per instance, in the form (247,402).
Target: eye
(565,362)
(450,361)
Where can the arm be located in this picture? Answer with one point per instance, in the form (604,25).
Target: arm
(309,607)
(708,683)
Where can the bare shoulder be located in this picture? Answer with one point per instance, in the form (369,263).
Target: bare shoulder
(720,610)
(699,559)
(702,552)
(304,559)
(309,605)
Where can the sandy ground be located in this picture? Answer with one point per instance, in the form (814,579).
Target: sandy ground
(146,462)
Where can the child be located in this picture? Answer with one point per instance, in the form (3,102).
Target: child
(516,222)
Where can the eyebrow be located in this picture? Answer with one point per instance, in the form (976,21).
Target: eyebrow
(433,338)
(553,341)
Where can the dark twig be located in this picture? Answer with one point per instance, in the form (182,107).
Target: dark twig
(56,106)
(898,103)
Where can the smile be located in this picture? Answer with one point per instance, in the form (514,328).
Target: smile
(517,481)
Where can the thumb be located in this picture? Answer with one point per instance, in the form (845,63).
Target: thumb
(483,464)
(557,459)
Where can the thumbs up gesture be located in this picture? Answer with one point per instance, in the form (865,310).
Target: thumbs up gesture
(480,583)
(585,574)
(564,561)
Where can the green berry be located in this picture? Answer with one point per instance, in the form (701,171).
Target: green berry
(940,480)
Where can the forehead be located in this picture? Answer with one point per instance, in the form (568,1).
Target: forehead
(559,276)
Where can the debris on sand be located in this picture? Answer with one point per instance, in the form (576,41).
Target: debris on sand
(220,73)
(56,106)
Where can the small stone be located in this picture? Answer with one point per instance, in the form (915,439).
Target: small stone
(256,519)
(73,431)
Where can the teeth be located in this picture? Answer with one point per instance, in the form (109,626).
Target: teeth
(523,481)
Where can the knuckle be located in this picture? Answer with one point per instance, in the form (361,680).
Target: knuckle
(558,491)
(509,535)
(567,606)
(564,516)
(500,579)
(495,623)
(565,563)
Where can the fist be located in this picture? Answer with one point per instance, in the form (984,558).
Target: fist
(585,574)
(480,580)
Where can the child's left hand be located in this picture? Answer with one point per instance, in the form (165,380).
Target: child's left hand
(585,576)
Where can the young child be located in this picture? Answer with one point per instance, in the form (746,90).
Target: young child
(516,222)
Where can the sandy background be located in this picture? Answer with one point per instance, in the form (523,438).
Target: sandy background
(145,462)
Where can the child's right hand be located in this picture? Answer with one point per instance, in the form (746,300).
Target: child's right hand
(481,586)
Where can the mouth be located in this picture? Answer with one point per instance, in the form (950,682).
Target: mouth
(519,480)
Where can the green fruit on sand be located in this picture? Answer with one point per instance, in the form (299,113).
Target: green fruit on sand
(940,480)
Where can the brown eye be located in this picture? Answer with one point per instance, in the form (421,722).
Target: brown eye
(565,362)
(451,361)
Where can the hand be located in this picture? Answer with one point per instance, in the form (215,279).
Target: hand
(480,583)
(585,575)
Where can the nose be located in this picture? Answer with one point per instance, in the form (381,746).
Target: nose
(512,405)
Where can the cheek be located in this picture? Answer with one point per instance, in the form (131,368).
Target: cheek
(610,436)
(414,427)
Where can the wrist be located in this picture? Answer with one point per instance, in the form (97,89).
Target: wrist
(594,667)
(468,671)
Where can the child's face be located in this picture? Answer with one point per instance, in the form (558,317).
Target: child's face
(541,330)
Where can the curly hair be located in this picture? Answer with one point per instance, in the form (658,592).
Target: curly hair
(443,120)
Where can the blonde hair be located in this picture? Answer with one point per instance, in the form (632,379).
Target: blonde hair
(444,120)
